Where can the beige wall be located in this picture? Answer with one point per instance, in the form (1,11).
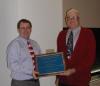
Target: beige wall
(89,11)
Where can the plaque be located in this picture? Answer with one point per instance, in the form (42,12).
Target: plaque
(48,64)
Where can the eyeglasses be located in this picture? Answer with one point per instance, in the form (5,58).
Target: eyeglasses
(24,28)
(72,18)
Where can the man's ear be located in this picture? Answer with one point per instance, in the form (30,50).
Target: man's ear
(18,30)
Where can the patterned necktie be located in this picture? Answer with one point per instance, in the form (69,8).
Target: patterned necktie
(70,44)
(30,49)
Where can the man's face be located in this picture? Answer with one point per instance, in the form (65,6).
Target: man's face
(72,21)
(24,30)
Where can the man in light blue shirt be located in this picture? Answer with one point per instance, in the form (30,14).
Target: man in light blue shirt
(19,60)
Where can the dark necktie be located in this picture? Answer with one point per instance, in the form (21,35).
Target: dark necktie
(70,44)
(30,49)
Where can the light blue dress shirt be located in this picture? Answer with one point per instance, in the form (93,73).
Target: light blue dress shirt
(76,32)
(19,60)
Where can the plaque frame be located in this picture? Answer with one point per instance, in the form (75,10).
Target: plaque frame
(50,64)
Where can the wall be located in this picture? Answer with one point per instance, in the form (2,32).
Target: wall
(89,11)
(46,17)
(8,18)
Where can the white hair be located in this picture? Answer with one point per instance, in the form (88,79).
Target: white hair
(72,12)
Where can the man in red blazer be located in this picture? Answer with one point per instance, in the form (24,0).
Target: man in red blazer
(79,62)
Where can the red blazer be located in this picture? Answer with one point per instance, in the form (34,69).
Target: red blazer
(82,59)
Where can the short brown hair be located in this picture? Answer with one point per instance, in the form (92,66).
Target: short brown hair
(24,21)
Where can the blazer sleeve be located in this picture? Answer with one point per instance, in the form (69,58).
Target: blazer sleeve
(90,55)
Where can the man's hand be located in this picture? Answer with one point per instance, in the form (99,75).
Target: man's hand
(35,74)
(67,72)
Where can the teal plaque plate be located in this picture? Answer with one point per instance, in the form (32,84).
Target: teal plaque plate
(50,63)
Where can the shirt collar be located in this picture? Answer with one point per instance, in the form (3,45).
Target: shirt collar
(23,39)
(75,31)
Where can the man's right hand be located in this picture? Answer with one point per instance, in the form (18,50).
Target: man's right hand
(67,72)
